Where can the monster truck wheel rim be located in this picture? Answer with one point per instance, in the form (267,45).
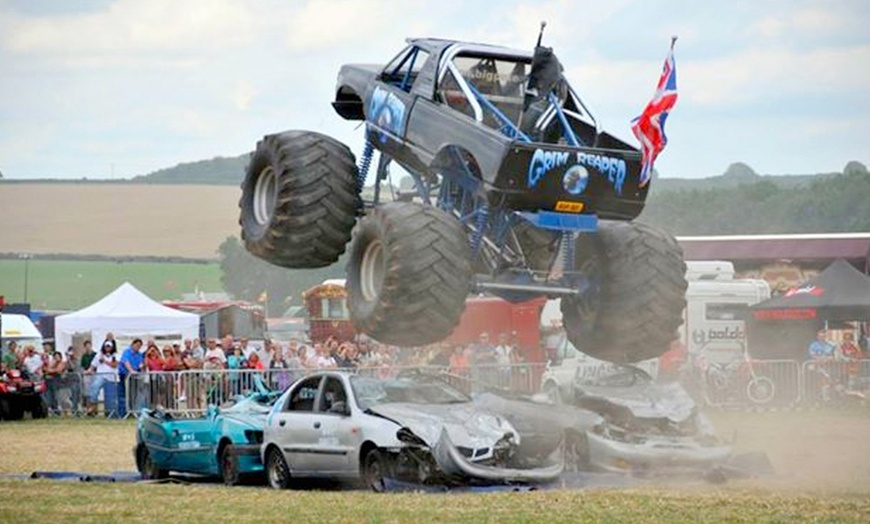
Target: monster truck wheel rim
(265,192)
(372,271)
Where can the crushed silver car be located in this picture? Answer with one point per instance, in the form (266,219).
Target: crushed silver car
(417,429)
(648,427)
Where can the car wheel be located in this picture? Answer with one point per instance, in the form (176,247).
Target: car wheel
(408,274)
(299,200)
(146,466)
(229,465)
(375,470)
(277,471)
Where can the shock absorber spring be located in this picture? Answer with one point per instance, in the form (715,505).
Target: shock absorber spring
(482,218)
(365,162)
(567,250)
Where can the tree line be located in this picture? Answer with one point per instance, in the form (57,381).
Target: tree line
(836,203)
(739,202)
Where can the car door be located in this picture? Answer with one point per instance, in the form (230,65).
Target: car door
(338,436)
(294,426)
(194,444)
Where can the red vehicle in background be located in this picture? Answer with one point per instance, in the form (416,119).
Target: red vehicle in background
(19,393)
(494,316)
(328,315)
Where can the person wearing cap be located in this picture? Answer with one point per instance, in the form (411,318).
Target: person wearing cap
(110,340)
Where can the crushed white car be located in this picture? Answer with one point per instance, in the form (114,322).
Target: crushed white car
(648,428)
(417,428)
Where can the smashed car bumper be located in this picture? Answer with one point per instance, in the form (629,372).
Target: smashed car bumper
(655,454)
(452,462)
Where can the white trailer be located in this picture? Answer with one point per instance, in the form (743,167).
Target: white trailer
(716,306)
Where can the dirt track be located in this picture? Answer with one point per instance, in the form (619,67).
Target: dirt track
(117,219)
(810,450)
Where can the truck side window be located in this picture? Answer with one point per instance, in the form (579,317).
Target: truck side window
(402,71)
(451,94)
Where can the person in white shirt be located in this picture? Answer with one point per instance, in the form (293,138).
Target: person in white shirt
(105,368)
(215,353)
(32,362)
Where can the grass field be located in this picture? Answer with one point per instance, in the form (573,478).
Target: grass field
(117,219)
(59,284)
(821,461)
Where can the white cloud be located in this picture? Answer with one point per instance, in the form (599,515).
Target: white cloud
(169,30)
(759,75)
(331,24)
(813,21)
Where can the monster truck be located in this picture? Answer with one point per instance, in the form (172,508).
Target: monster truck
(517,192)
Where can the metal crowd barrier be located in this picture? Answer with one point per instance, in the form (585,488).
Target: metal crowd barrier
(758,383)
(744,384)
(191,391)
(833,383)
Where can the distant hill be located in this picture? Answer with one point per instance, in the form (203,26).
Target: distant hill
(231,170)
(736,175)
(217,171)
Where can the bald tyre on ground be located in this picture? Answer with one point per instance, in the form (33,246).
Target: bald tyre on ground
(408,274)
(299,200)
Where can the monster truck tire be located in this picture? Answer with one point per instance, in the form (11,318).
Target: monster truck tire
(408,274)
(299,200)
(639,293)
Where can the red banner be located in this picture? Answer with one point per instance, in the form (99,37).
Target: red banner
(786,314)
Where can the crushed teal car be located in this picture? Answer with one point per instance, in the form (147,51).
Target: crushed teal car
(224,443)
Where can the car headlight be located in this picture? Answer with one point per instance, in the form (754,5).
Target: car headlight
(254,436)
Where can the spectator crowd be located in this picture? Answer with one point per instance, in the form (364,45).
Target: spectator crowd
(78,382)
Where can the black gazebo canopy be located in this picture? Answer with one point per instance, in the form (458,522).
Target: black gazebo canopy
(840,292)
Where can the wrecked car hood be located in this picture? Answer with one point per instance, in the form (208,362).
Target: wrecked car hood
(467,425)
(643,400)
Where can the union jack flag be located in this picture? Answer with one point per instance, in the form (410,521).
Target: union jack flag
(649,127)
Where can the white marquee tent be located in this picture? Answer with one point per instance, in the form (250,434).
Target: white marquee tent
(127,313)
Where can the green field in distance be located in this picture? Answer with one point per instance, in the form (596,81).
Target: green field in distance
(71,285)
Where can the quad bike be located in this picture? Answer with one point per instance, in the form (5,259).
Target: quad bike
(19,394)
(517,192)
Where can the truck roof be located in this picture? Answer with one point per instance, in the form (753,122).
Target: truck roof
(436,45)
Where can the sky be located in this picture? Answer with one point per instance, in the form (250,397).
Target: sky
(110,89)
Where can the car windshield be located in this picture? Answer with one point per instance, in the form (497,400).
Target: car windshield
(370,392)
(619,376)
